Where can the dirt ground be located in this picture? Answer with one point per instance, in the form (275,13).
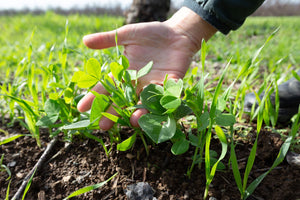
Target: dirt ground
(84,163)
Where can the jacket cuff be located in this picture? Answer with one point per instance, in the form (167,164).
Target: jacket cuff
(208,15)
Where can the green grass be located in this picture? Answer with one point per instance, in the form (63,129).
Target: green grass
(49,30)
(40,54)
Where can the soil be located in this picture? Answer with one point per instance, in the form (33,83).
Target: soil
(83,163)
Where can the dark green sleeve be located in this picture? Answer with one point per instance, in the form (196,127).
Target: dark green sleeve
(225,15)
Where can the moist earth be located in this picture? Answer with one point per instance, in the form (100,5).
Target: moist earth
(83,162)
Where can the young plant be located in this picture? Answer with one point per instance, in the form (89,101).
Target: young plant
(165,108)
(89,188)
(4,167)
(121,85)
(242,186)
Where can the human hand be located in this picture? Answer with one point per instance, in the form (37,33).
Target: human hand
(170,45)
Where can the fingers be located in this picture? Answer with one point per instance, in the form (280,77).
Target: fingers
(86,102)
(100,40)
(105,123)
(107,39)
(136,116)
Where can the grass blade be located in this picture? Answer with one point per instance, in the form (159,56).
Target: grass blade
(249,166)
(89,188)
(223,141)
(235,168)
(281,155)
(10,139)
(28,185)
(7,191)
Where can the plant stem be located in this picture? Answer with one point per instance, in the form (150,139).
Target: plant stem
(144,141)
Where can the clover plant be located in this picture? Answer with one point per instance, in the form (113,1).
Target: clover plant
(121,84)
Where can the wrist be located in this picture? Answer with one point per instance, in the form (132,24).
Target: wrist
(190,24)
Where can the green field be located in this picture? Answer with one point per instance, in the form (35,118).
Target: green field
(39,55)
(44,31)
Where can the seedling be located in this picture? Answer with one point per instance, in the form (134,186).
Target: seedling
(4,167)
(89,188)
(121,84)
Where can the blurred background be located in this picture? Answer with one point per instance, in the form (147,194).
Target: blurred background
(119,7)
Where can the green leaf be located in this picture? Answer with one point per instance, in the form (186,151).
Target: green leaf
(145,70)
(221,104)
(220,134)
(127,78)
(68,95)
(76,76)
(130,94)
(204,49)
(203,121)
(28,185)
(100,104)
(170,102)
(5,140)
(178,135)
(194,140)
(118,97)
(77,125)
(117,70)
(182,111)
(133,74)
(89,188)
(173,88)
(127,144)
(214,102)
(112,117)
(150,98)
(180,146)
(225,119)
(84,80)
(296,76)
(220,165)
(93,68)
(223,141)
(47,120)
(124,62)
(158,128)
(249,165)
(7,191)
(52,107)
(109,84)
(235,168)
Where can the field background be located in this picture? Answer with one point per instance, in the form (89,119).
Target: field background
(44,31)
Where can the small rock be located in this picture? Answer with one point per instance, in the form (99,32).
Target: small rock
(293,159)
(16,155)
(66,178)
(129,156)
(212,198)
(186,195)
(140,191)
(12,164)
(79,179)
(19,175)
(41,195)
